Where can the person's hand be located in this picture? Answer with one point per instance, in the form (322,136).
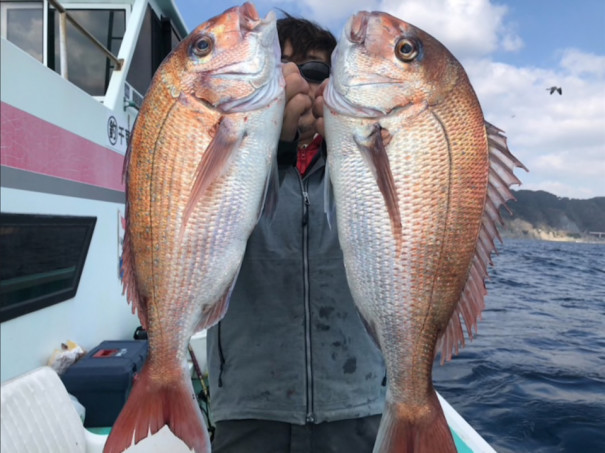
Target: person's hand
(318,109)
(298,102)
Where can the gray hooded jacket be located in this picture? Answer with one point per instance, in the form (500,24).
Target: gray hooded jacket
(292,346)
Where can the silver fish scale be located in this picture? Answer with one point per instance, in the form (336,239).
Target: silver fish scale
(219,227)
(381,283)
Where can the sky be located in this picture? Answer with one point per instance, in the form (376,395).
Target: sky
(513,51)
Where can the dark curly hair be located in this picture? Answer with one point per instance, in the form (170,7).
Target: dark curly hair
(304,36)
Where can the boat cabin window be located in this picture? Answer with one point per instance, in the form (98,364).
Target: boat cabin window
(42,260)
(26,25)
(22,24)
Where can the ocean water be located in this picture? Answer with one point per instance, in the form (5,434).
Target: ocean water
(533,379)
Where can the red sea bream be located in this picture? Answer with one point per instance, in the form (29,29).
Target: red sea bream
(198,167)
(418,177)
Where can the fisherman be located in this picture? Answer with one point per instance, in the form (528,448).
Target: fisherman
(291,366)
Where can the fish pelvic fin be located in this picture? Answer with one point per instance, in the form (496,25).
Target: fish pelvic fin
(150,406)
(268,203)
(472,301)
(227,137)
(406,430)
(329,204)
(373,149)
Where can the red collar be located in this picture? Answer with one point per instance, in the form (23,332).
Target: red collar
(307,153)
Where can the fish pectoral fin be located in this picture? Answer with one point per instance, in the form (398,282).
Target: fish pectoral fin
(227,137)
(373,149)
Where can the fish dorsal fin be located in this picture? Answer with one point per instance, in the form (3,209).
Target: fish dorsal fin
(127,264)
(472,301)
(373,149)
(129,282)
(227,137)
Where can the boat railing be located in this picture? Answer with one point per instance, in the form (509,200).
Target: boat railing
(64,16)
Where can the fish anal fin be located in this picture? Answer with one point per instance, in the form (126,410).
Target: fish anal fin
(405,429)
(227,137)
(374,151)
(153,404)
(472,300)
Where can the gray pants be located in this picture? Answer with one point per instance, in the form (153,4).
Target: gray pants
(262,436)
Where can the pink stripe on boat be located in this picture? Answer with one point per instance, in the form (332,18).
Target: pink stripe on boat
(32,144)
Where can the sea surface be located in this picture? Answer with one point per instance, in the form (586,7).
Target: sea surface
(533,379)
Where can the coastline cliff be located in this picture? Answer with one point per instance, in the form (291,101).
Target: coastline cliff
(542,215)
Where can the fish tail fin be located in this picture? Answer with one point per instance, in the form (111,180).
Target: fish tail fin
(422,431)
(150,406)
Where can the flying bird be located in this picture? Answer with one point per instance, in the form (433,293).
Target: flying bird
(553,89)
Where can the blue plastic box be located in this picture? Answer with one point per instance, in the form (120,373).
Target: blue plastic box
(102,379)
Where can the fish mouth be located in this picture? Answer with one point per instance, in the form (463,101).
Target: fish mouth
(259,97)
(266,31)
(335,101)
(266,78)
(347,83)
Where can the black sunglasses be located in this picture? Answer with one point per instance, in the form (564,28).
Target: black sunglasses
(314,71)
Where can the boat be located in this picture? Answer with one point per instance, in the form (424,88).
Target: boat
(73,76)
(71,88)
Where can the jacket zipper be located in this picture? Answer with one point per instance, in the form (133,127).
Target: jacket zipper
(307,301)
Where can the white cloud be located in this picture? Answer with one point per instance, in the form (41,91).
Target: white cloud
(339,9)
(467,27)
(560,138)
(579,63)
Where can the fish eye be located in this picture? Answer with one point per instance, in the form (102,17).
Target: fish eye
(406,49)
(202,46)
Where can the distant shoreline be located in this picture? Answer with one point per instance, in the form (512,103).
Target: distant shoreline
(583,240)
(550,236)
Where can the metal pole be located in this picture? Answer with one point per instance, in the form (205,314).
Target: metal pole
(63,43)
